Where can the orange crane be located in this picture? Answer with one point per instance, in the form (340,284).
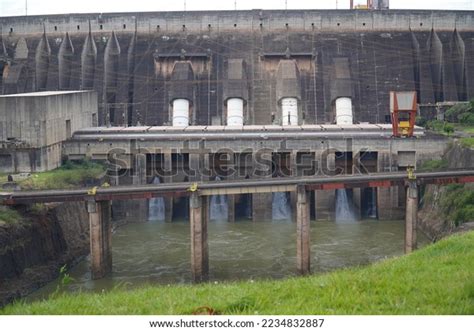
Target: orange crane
(403,109)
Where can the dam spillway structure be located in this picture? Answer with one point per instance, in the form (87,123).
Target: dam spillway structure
(176,90)
(65,61)
(181,93)
(354,54)
(288,91)
(236,93)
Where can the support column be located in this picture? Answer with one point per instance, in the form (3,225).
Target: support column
(231,198)
(302,231)
(293,195)
(114,176)
(100,238)
(325,200)
(139,177)
(411,217)
(139,207)
(114,181)
(356,200)
(262,202)
(168,166)
(198,218)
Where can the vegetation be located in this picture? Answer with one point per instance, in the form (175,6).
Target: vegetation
(438,279)
(69,175)
(9,215)
(457,204)
(432,165)
(440,126)
(459,117)
(461,113)
(467,142)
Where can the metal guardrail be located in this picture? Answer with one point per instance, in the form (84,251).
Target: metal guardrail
(236,186)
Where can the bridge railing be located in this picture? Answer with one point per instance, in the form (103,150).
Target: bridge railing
(279,184)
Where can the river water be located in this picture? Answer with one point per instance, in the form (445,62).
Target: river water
(159,253)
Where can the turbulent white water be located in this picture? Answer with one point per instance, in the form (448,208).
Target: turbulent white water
(218,207)
(281,209)
(344,207)
(156,206)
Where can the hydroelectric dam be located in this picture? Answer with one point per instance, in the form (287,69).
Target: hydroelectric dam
(183,98)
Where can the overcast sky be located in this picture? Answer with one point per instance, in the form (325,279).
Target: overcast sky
(39,7)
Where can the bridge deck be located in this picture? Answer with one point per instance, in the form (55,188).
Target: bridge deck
(235,187)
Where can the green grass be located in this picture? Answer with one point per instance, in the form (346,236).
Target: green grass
(441,127)
(432,165)
(457,204)
(9,215)
(464,128)
(467,142)
(70,175)
(469,129)
(438,279)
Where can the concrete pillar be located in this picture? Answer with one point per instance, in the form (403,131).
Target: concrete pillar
(387,197)
(231,208)
(261,206)
(231,198)
(302,231)
(293,198)
(139,208)
(411,217)
(198,218)
(139,177)
(262,202)
(100,238)
(114,181)
(325,200)
(356,199)
(168,166)
(114,178)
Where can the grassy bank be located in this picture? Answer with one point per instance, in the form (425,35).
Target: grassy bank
(467,142)
(459,120)
(457,203)
(438,279)
(70,175)
(8,216)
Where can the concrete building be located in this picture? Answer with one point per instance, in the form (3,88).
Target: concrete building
(135,61)
(271,92)
(33,127)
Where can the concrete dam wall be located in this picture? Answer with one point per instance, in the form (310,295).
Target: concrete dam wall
(139,63)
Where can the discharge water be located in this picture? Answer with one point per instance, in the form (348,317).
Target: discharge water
(218,208)
(159,252)
(281,209)
(344,207)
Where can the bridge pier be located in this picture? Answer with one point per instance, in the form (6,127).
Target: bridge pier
(303,246)
(100,238)
(198,219)
(140,207)
(411,217)
(168,166)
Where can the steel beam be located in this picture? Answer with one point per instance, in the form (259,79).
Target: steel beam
(266,185)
